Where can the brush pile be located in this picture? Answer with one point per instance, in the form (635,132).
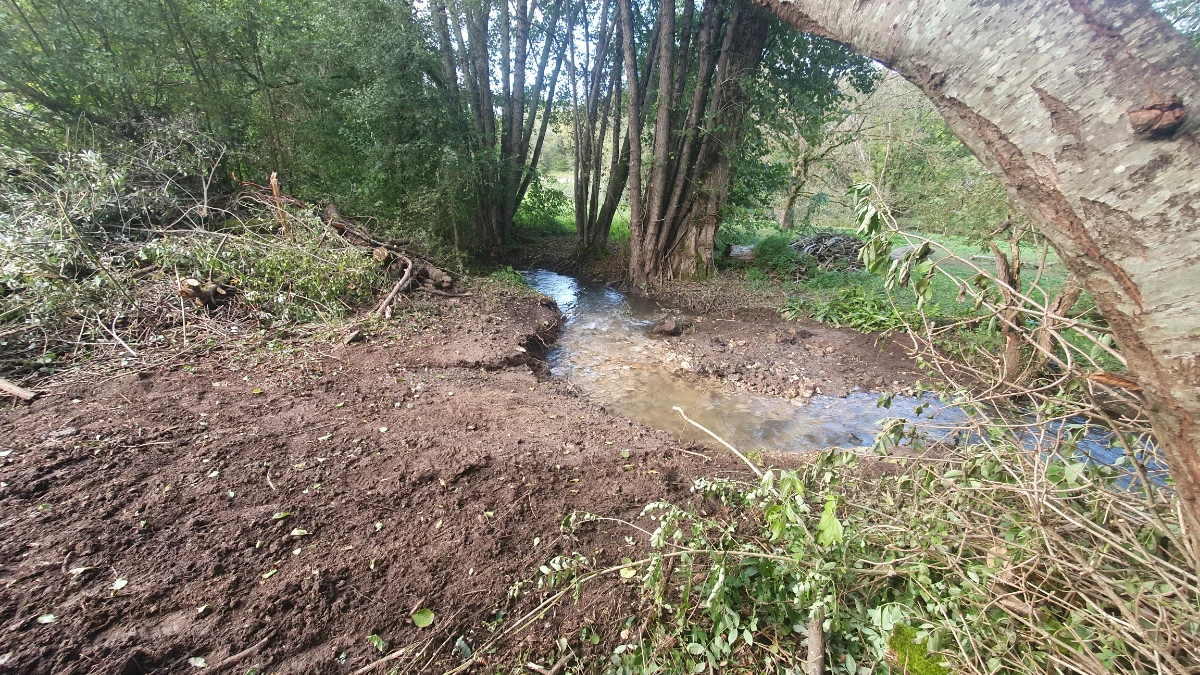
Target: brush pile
(171,257)
(831,248)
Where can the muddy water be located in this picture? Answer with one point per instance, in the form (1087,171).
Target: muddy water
(606,349)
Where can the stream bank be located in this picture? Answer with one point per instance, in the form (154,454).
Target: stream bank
(308,497)
(296,500)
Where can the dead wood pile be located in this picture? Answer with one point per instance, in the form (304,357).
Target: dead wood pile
(410,271)
(830,248)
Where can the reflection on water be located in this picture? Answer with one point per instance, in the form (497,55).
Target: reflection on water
(606,349)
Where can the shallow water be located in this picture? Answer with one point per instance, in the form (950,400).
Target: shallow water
(606,349)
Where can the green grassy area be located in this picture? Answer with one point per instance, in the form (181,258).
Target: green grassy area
(857,299)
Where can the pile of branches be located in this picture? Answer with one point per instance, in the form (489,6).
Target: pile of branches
(410,272)
(831,248)
(169,252)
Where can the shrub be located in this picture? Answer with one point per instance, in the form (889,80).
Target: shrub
(542,208)
(854,307)
(952,565)
(774,254)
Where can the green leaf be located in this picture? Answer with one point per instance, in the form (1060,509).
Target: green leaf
(464,649)
(829,530)
(627,572)
(47,618)
(377,642)
(423,618)
(695,648)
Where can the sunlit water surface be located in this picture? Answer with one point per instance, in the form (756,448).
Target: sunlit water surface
(607,350)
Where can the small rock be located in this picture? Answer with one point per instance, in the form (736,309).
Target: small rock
(668,326)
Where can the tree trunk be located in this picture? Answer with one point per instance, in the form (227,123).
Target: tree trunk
(748,36)
(1080,108)
(634,119)
(656,191)
(690,176)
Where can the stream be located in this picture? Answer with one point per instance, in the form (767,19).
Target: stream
(607,350)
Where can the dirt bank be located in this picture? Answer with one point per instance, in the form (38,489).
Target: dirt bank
(756,350)
(281,509)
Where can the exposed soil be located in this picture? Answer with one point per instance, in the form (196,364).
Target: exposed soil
(294,502)
(294,506)
(756,350)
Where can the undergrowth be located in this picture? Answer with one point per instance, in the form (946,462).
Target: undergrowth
(94,249)
(854,307)
(985,559)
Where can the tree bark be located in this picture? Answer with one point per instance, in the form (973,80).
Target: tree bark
(634,131)
(656,190)
(689,251)
(1081,107)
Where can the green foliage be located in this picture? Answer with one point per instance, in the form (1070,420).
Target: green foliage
(423,618)
(507,277)
(833,279)
(805,82)
(377,642)
(282,279)
(774,253)
(944,564)
(544,209)
(755,275)
(735,233)
(854,307)
(937,185)
(334,95)
(1184,15)
(912,656)
(92,241)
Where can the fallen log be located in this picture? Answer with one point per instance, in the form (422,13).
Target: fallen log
(444,294)
(355,234)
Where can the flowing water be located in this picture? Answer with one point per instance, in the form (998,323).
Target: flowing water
(607,350)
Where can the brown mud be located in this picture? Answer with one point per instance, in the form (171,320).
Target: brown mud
(273,514)
(756,350)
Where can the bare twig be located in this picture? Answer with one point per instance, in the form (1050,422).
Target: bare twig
(758,472)
(384,309)
(14,390)
(113,332)
(233,659)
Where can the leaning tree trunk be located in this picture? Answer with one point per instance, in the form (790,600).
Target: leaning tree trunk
(1081,107)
